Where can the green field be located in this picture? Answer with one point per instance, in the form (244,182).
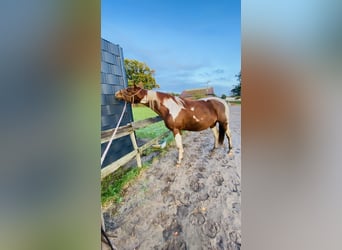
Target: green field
(235,102)
(151,131)
(142,113)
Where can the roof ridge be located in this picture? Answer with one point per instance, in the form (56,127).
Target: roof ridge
(199,88)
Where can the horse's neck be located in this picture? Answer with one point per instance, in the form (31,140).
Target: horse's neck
(153,101)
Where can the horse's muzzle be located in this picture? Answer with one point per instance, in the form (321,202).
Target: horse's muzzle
(118,95)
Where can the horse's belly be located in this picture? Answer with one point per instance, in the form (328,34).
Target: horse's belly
(198,125)
(191,122)
(195,128)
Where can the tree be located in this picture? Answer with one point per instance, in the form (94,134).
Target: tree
(138,72)
(223,96)
(236,91)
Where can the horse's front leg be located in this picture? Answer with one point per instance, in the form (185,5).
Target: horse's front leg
(178,139)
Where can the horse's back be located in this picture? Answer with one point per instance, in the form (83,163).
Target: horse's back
(215,99)
(220,106)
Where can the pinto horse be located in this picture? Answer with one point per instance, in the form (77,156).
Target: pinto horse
(183,114)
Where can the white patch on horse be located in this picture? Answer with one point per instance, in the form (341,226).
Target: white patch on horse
(150,96)
(174,106)
(144,100)
(196,119)
(192,109)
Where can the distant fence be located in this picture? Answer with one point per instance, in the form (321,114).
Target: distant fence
(137,151)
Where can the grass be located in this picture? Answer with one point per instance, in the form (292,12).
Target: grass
(235,102)
(149,132)
(142,113)
(113,186)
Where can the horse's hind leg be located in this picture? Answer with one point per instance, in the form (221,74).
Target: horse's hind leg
(216,136)
(224,129)
(229,137)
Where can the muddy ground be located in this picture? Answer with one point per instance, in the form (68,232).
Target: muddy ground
(195,206)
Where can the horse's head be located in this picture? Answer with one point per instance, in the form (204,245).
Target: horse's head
(131,94)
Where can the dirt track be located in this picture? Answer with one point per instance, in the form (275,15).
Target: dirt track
(195,206)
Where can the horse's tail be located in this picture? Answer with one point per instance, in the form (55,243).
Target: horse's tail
(222,131)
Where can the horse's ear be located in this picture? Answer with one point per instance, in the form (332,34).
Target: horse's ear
(141,85)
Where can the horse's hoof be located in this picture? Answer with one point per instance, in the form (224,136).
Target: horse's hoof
(178,164)
(231,154)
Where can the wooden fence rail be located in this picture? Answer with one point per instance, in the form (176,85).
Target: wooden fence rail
(137,151)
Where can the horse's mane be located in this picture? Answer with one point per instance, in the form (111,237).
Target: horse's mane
(151,104)
(156,97)
(153,99)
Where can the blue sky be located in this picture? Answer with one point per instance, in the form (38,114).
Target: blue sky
(187,43)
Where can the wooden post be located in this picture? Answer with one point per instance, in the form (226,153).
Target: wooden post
(135,146)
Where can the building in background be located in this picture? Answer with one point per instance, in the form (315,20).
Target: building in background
(195,94)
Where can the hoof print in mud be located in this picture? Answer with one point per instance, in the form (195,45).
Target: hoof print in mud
(220,244)
(235,241)
(173,229)
(235,237)
(234,246)
(203,196)
(175,244)
(169,198)
(183,198)
(218,179)
(162,218)
(195,185)
(214,192)
(171,178)
(165,190)
(211,228)
(201,169)
(197,218)
(236,207)
(234,185)
(199,176)
(182,211)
